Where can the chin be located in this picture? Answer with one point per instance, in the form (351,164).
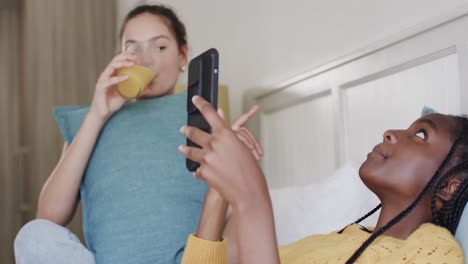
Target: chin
(154,92)
(368,173)
(363,171)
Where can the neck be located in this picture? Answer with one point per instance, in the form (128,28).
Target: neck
(408,224)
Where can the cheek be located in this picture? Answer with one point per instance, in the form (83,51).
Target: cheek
(170,58)
(168,70)
(414,174)
(170,63)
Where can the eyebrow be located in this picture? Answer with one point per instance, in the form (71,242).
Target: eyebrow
(153,38)
(429,122)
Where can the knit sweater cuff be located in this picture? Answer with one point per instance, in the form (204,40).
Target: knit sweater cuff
(198,251)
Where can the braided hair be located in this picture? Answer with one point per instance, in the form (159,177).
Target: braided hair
(450,213)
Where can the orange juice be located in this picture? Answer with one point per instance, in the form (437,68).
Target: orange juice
(138,78)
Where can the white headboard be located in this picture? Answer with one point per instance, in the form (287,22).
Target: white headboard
(317,121)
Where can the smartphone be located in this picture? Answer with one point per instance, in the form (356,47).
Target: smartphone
(203,81)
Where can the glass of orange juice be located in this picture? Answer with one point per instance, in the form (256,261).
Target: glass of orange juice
(138,78)
(142,73)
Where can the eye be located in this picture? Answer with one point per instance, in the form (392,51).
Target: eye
(158,48)
(422,134)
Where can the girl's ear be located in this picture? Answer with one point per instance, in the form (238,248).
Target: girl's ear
(183,56)
(448,189)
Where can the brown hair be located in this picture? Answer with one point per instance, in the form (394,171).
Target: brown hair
(167,14)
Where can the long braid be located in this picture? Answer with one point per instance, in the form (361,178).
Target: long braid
(368,214)
(456,169)
(362,218)
(460,167)
(405,212)
(449,215)
(442,179)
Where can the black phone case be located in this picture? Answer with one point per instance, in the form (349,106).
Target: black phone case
(202,81)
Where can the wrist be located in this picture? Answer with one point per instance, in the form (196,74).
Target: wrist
(213,216)
(256,201)
(213,197)
(96,119)
(252,207)
(254,194)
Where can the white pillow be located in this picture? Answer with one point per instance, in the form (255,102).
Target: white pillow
(322,207)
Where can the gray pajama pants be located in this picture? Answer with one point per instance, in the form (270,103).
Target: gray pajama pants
(41,241)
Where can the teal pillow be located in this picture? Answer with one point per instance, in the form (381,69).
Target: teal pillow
(139,201)
(427,111)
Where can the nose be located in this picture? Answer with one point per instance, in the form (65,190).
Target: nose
(390,136)
(146,59)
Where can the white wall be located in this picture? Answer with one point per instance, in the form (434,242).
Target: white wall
(263,42)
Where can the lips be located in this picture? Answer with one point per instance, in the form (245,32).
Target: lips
(379,151)
(148,87)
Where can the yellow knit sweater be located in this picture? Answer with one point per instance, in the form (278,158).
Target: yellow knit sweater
(428,244)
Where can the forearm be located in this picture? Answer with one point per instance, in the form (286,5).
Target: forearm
(256,238)
(212,219)
(60,194)
(207,245)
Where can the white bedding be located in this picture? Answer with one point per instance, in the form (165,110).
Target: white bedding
(322,207)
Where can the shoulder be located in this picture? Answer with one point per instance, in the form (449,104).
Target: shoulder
(431,243)
(432,233)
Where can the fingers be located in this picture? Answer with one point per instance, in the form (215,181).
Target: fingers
(209,113)
(114,80)
(121,60)
(257,145)
(245,138)
(245,135)
(243,119)
(114,66)
(192,153)
(196,135)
